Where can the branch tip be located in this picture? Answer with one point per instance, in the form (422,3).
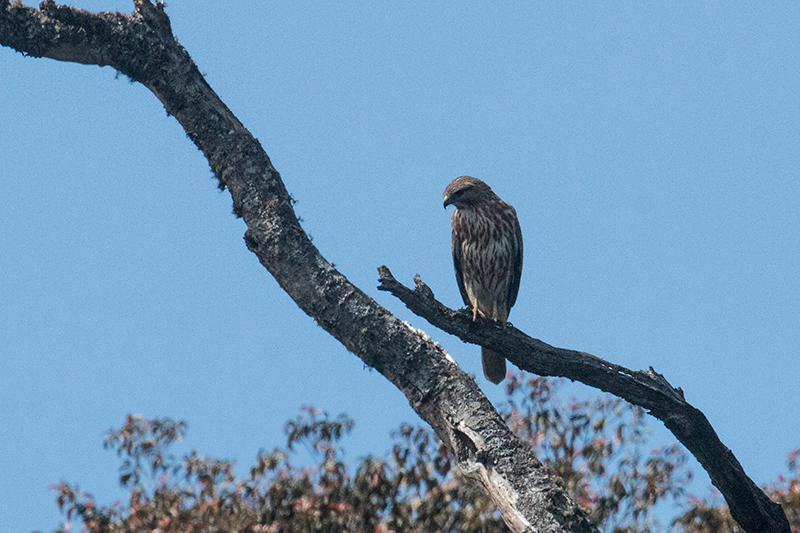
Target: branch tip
(422,288)
(387,280)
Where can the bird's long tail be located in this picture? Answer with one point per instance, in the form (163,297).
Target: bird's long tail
(494,365)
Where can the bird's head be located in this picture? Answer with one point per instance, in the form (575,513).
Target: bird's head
(466,191)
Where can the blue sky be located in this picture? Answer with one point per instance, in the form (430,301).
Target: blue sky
(651,152)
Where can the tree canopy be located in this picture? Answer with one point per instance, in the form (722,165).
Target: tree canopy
(598,448)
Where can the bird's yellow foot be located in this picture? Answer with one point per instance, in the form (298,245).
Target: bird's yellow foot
(476,312)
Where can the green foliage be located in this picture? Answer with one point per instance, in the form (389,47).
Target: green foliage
(412,489)
(597,447)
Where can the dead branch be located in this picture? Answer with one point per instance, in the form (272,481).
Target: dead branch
(748,504)
(141,46)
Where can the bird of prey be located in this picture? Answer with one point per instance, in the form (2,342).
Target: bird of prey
(487,255)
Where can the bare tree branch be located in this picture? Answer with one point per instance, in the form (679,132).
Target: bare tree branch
(748,504)
(142,46)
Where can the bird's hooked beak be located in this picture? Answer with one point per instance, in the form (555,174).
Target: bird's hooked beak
(447,201)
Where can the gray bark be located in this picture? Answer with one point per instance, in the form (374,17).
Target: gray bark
(748,504)
(142,47)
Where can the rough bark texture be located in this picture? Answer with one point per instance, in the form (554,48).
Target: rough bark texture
(142,46)
(749,506)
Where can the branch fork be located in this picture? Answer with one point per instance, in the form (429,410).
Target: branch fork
(141,46)
(749,506)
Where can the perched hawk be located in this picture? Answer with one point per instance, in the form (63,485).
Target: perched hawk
(487,255)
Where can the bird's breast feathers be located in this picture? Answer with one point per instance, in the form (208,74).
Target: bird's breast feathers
(488,241)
